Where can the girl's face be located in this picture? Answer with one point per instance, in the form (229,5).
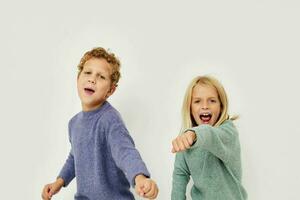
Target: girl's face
(205,105)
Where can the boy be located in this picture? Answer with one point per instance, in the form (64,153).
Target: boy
(102,157)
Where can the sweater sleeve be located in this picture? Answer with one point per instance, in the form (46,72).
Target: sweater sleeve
(124,153)
(67,173)
(221,141)
(181,177)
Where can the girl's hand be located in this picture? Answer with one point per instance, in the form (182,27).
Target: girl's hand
(145,187)
(183,141)
(52,188)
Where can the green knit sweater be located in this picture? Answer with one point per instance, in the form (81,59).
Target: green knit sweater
(213,162)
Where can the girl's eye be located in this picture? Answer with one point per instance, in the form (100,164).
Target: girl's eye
(87,72)
(213,101)
(197,101)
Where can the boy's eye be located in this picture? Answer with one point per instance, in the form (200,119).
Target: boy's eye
(102,77)
(87,72)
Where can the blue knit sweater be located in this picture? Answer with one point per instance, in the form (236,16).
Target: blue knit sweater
(103,157)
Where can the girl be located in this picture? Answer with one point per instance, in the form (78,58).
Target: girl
(209,148)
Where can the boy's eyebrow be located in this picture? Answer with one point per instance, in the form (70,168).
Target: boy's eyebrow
(102,74)
(98,72)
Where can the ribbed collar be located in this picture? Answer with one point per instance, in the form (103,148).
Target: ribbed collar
(93,113)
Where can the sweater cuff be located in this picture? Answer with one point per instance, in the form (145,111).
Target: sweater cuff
(66,177)
(199,138)
(136,172)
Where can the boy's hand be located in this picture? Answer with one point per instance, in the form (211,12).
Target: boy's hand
(145,187)
(183,141)
(52,188)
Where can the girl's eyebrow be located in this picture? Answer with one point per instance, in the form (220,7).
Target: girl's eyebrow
(207,98)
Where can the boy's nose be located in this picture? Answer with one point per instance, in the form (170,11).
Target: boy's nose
(92,80)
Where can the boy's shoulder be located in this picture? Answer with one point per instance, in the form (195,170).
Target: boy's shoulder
(110,114)
(71,121)
(110,118)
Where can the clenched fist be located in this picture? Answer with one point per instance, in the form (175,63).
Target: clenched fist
(145,187)
(52,188)
(183,141)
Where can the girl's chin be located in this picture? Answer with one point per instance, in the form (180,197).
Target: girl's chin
(210,122)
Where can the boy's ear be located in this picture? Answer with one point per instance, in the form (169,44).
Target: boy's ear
(111,91)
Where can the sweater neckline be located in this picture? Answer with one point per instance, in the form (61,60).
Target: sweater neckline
(88,114)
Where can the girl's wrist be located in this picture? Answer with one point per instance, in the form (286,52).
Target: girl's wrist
(193,136)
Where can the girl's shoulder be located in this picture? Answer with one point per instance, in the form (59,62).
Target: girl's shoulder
(227,123)
(229,126)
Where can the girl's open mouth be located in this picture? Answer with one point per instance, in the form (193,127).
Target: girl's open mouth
(205,117)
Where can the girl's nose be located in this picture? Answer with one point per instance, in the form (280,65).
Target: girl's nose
(204,105)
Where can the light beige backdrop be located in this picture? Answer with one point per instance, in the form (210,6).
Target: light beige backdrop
(251,46)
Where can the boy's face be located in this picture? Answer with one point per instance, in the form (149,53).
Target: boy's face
(205,105)
(94,84)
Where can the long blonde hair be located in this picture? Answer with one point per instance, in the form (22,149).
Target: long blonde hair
(187,118)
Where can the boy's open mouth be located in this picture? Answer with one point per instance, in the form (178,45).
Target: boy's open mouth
(205,117)
(89,91)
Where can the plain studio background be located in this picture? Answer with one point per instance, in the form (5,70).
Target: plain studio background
(252,47)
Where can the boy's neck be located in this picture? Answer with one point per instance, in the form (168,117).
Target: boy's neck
(91,108)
